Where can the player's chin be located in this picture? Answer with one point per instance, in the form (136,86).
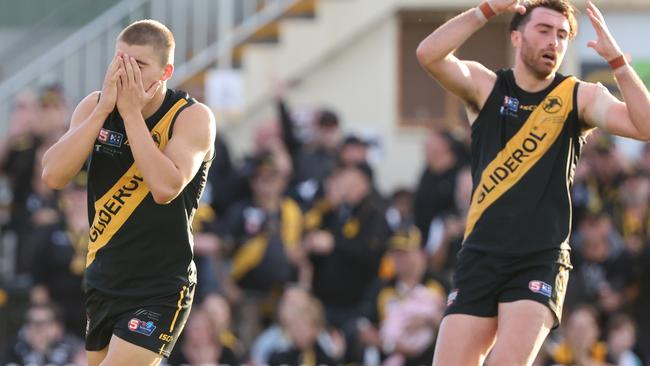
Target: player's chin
(545,70)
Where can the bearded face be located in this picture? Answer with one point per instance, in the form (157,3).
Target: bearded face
(541,63)
(542,42)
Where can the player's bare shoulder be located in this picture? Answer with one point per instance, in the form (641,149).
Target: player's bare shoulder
(85,108)
(197,123)
(594,101)
(483,81)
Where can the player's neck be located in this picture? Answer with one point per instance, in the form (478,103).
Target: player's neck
(530,82)
(155,102)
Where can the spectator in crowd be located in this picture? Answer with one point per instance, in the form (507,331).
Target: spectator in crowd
(17,154)
(401,315)
(221,178)
(314,157)
(635,214)
(265,233)
(579,344)
(42,209)
(200,344)
(42,340)
(353,150)
(345,239)
(604,269)
(447,229)
(218,310)
(60,257)
(276,338)
(435,191)
(207,250)
(608,171)
(400,209)
(303,330)
(54,111)
(621,339)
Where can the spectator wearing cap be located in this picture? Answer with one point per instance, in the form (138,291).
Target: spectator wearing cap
(345,240)
(264,234)
(401,315)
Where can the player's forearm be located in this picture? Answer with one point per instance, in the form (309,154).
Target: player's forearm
(448,37)
(636,98)
(159,173)
(64,160)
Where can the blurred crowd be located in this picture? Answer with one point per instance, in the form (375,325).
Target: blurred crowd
(303,261)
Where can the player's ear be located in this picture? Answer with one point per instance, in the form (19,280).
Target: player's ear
(168,71)
(515,38)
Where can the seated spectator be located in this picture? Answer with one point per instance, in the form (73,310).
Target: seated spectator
(402,315)
(579,344)
(218,310)
(621,339)
(304,327)
(275,339)
(200,345)
(42,340)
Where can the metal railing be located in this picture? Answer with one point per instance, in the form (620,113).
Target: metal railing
(206,33)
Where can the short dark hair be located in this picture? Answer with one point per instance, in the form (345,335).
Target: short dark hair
(563,7)
(152,33)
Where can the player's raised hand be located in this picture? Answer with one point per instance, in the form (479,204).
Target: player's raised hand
(108,97)
(132,95)
(507,6)
(605,45)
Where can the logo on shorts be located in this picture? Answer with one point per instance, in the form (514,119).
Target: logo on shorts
(452,297)
(540,288)
(142,327)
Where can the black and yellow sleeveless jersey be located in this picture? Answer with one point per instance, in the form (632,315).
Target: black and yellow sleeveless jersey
(525,147)
(137,247)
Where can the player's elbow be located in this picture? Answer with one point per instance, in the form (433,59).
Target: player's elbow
(422,53)
(165,194)
(164,197)
(427,57)
(52,180)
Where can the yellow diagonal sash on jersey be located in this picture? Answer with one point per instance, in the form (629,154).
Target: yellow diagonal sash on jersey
(523,150)
(118,203)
